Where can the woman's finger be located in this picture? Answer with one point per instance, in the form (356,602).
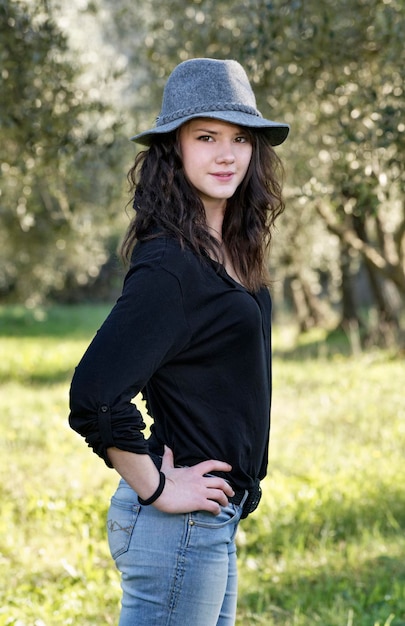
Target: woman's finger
(167,460)
(212,465)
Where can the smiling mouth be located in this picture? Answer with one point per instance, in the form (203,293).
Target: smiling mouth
(223,174)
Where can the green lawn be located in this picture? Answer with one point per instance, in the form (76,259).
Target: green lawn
(327,545)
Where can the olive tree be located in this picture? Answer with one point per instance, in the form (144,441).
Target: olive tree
(57,160)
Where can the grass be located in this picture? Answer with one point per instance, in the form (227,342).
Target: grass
(327,545)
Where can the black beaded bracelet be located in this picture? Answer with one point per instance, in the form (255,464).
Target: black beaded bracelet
(158,492)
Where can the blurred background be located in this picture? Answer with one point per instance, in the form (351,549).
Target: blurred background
(78,77)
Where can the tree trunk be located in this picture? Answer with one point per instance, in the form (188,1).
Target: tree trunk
(305,319)
(349,305)
(386,313)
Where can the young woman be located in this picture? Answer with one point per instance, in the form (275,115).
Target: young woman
(191,331)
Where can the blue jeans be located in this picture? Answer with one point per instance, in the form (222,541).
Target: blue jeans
(176,570)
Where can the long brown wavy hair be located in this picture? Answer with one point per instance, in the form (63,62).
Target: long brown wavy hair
(166,203)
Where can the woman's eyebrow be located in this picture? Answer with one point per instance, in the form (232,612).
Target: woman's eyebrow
(213,132)
(205,130)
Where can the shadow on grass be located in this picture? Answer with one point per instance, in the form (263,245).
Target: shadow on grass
(330,519)
(56,321)
(49,354)
(41,379)
(371,591)
(334,343)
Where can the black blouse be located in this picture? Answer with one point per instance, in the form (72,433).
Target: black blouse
(197,345)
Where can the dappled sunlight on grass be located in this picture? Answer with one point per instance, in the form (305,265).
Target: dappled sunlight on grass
(45,361)
(363,581)
(325,547)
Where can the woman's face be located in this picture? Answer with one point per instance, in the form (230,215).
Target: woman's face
(216,157)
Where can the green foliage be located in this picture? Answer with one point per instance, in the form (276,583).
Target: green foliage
(326,545)
(356,178)
(335,72)
(57,158)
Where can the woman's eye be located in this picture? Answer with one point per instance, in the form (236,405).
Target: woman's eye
(241,139)
(204,138)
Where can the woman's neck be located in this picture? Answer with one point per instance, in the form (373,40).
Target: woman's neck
(216,232)
(214,223)
(214,215)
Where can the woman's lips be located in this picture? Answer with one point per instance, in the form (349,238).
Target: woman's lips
(225,176)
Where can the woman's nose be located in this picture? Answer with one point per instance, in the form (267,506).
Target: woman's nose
(225,154)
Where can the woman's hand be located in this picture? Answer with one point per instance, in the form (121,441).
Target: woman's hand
(189,489)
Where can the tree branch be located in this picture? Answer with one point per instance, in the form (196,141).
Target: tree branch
(392,271)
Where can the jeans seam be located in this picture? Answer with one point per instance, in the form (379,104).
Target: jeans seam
(179,569)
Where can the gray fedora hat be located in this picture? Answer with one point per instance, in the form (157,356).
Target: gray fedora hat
(210,88)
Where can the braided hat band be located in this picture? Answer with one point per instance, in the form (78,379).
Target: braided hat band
(221,106)
(215,89)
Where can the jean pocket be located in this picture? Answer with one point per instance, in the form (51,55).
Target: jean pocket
(228,515)
(121,522)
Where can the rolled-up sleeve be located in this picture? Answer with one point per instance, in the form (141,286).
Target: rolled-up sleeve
(146,327)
